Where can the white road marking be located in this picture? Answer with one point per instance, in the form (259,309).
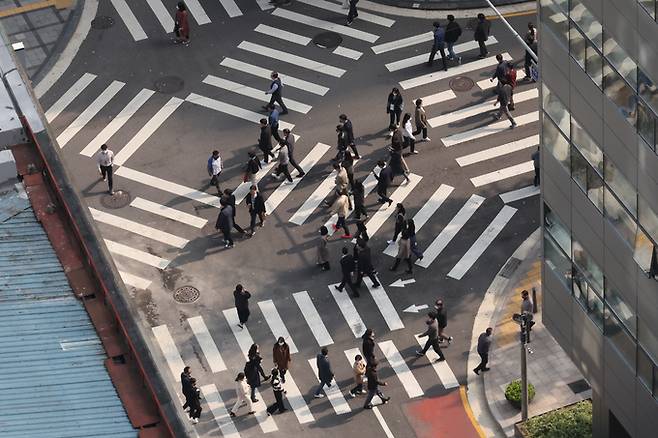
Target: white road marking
(129,20)
(208,346)
(231,8)
(480,108)
(169,350)
(88,113)
(168,212)
(136,254)
(438,97)
(501,174)
(312,202)
(137,228)
(291,58)
(450,231)
(197,12)
(264,5)
(485,84)
(498,151)
(274,321)
(325,25)
(347,53)
(282,34)
(454,71)
(482,243)
(385,211)
(516,195)
(231,110)
(384,305)
(284,189)
(288,81)
(168,186)
(117,122)
(312,317)
(382,422)
(69,96)
(442,369)
(364,16)
(253,93)
(296,400)
(425,213)
(134,281)
(147,130)
(423,58)
(493,128)
(333,392)
(401,369)
(425,37)
(348,310)
(369,184)
(162,15)
(219,411)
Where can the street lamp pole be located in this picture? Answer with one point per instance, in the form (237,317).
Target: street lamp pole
(524,371)
(514,32)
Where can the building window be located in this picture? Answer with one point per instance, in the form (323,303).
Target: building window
(553,17)
(587,297)
(587,265)
(620,59)
(620,93)
(577,45)
(622,310)
(646,125)
(587,179)
(557,261)
(647,90)
(555,227)
(647,338)
(554,142)
(586,21)
(586,145)
(554,107)
(649,6)
(624,190)
(648,218)
(622,221)
(620,338)
(645,370)
(644,254)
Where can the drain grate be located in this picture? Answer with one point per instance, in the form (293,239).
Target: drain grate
(102,22)
(187,294)
(119,199)
(461,83)
(327,40)
(510,267)
(169,84)
(578,386)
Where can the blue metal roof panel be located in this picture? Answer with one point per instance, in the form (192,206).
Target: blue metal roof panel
(53,381)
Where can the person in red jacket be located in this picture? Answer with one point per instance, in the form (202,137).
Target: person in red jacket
(181,25)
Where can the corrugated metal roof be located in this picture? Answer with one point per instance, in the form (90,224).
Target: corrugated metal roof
(53,382)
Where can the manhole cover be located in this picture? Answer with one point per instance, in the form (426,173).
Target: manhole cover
(119,199)
(186,294)
(169,84)
(461,83)
(102,22)
(327,40)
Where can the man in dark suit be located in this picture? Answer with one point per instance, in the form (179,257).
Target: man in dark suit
(347,268)
(349,134)
(186,385)
(256,205)
(225,222)
(364,264)
(265,140)
(325,373)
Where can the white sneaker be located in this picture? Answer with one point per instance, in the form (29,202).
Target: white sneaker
(427,139)
(390,242)
(194,420)
(318,395)
(288,182)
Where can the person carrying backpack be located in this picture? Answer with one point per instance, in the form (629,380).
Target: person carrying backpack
(453,32)
(510,78)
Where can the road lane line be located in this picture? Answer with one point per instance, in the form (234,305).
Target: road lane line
(382,422)
(504,173)
(442,369)
(425,37)
(129,19)
(69,96)
(332,392)
(347,53)
(312,317)
(348,310)
(136,254)
(282,34)
(169,350)
(196,10)
(274,321)
(384,305)
(423,58)
(208,346)
(289,58)
(168,212)
(314,200)
(438,97)
(498,151)
(522,193)
(296,400)
(231,8)
(335,7)
(219,411)
(325,25)
(162,14)
(134,281)
(401,369)
(493,128)
(385,211)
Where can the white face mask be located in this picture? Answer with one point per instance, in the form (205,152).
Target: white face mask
(281,342)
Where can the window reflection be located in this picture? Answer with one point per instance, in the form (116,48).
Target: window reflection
(553,17)
(620,93)
(619,337)
(587,179)
(577,45)
(624,190)
(557,261)
(586,145)
(649,6)
(556,228)
(620,59)
(587,297)
(622,221)
(623,311)
(587,265)
(647,90)
(648,218)
(646,125)
(554,142)
(556,109)
(586,21)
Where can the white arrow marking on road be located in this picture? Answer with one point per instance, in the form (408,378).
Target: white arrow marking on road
(415,309)
(401,283)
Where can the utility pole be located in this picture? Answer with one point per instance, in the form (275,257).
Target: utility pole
(525,322)
(514,32)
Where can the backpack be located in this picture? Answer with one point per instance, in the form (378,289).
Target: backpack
(510,75)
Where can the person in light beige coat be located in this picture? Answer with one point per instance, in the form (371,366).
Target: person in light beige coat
(404,252)
(421,120)
(341,208)
(359,369)
(341,181)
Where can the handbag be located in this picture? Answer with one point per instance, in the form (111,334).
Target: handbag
(177,29)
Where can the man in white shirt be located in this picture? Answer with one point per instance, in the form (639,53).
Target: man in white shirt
(105,159)
(276,88)
(214,169)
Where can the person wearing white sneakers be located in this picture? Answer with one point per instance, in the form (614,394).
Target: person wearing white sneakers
(284,159)
(242,393)
(442,320)
(195,402)
(325,373)
(421,120)
(359,369)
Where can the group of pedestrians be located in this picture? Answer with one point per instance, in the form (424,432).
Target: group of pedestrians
(192,394)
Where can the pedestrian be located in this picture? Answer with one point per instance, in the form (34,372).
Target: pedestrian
(532,42)
(432,335)
(484,343)
(384,180)
(373,386)
(256,205)
(397,140)
(325,373)
(241,297)
(230,199)
(289,138)
(438,44)
(341,208)
(348,129)
(453,32)
(277,388)
(394,106)
(398,165)
(400,222)
(273,121)
(510,78)
(252,168)
(254,371)
(421,120)
(361,231)
(404,253)
(359,195)
(194,401)
(276,88)
(242,394)
(364,264)
(341,180)
(359,369)
(283,160)
(526,303)
(352,13)
(500,73)
(411,227)
(442,321)
(408,134)
(281,357)
(481,34)
(535,162)
(225,222)
(347,265)
(181,25)
(186,386)
(105,160)
(214,168)
(341,143)
(348,165)
(265,140)
(504,98)
(368,345)
(322,251)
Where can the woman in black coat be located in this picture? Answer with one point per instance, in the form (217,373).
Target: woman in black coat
(394,107)
(253,371)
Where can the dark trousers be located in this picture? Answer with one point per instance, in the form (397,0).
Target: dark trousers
(527,64)
(395,117)
(267,153)
(483,48)
(398,230)
(294,164)
(106,172)
(340,223)
(353,147)
(195,410)
(276,97)
(323,383)
(352,14)
(371,276)
(357,389)
(275,133)
(283,169)
(243,315)
(237,227)
(252,222)
(440,49)
(407,261)
(253,392)
(371,395)
(434,343)
(420,129)
(347,280)
(484,360)
(227,236)
(278,404)
(362,234)
(536,181)
(410,143)
(360,209)
(282,373)
(381,191)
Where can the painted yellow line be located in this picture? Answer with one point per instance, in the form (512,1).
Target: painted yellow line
(469,412)
(513,14)
(59,4)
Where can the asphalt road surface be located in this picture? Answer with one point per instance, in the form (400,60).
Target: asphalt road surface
(163,107)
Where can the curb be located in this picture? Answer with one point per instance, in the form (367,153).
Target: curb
(445,5)
(434,14)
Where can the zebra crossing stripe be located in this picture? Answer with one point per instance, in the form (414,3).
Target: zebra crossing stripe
(450,231)
(312,202)
(136,254)
(219,411)
(290,58)
(498,151)
(382,422)
(117,122)
(88,113)
(348,310)
(69,96)
(401,369)
(129,19)
(482,243)
(242,190)
(168,212)
(296,400)
(169,350)
(442,369)
(364,16)
(208,346)
(384,305)
(253,93)
(522,193)
(493,128)
(274,321)
(385,211)
(312,317)
(501,174)
(333,392)
(325,25)
(282,34)
(438,97)
(264,73)
(347,53)
(162,15)
(423,58)
(134,280)
(369,185)
(197,12)
(425,37)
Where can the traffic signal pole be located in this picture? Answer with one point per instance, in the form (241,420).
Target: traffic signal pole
(514,32)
